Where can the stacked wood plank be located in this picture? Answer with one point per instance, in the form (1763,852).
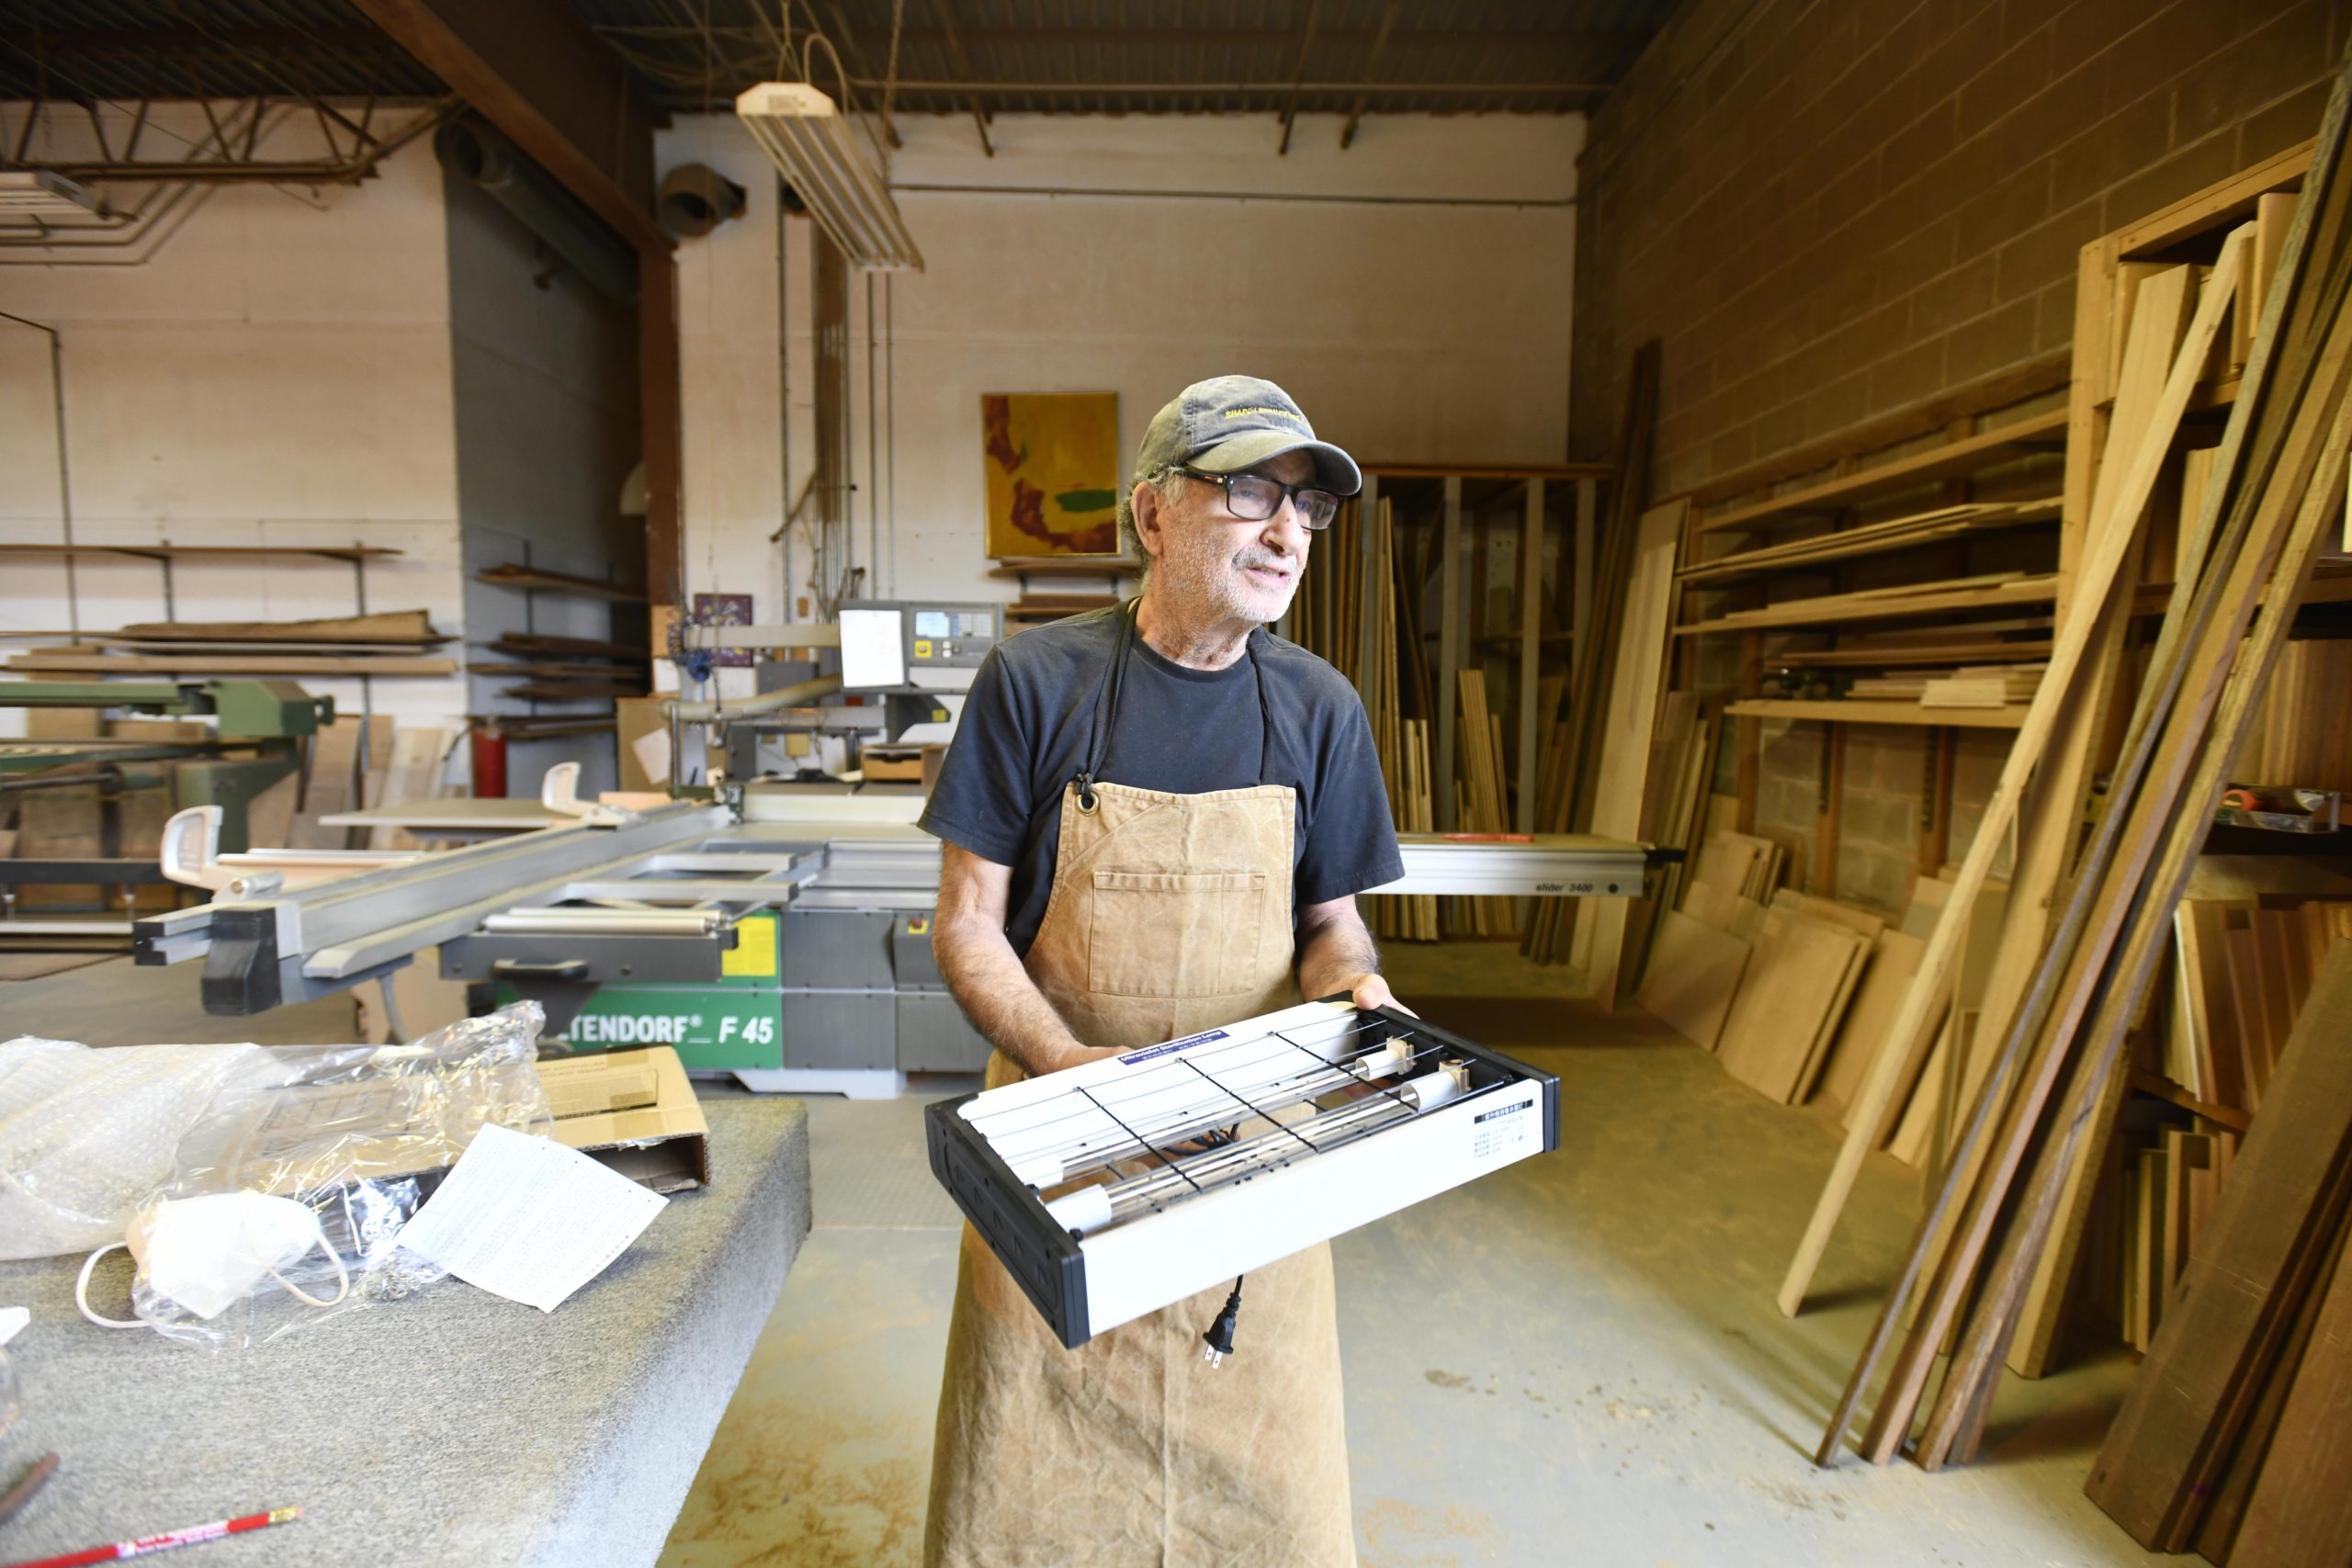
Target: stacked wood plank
(1977,685)
(2231,1441)
(2080,951)
(1481,804)
(387,643)
(1919,528)
(565,668)
(2240,970)
(1988,591)
(1674,814)
(1355,592)
(1576,777)
(1623,805)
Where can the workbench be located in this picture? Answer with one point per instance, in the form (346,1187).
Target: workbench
(454,1428)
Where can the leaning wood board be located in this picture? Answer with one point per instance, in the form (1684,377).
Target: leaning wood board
(1695,973)
(1626,728)
(1864,1031)
(1798,975)
(2178,1422)
(2301,1509)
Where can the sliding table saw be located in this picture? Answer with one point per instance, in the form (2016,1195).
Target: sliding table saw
(772,932)
(786,941)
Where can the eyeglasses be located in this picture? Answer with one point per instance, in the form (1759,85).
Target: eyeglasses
(1253,498)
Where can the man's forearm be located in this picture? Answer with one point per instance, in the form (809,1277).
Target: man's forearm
(1335,955)
(1003,1003)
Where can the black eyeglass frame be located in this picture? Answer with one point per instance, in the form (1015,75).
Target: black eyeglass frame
(1289,492)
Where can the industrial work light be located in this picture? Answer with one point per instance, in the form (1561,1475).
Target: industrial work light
(38,193)
(815,150)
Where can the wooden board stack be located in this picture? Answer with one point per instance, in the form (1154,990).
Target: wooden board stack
(2240,970)
(2230,1443)
(389,643)
(1360,593)
(2088,933)
(1969,686)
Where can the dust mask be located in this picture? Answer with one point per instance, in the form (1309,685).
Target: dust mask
(207,1253)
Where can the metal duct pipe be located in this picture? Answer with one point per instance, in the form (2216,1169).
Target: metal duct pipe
(766,702)
(476,153)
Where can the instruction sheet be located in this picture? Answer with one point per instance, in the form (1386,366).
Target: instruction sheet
(528,1219)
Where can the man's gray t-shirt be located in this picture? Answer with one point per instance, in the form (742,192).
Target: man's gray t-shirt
(1028,723)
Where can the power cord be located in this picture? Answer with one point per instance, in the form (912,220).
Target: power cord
(1220,1337)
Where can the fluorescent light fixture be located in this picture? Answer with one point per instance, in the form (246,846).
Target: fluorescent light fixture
(38,193)
(816,150)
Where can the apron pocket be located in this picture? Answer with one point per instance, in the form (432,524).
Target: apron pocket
(1159,933)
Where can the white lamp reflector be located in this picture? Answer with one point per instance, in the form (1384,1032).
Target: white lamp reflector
(38,193)
(815,150)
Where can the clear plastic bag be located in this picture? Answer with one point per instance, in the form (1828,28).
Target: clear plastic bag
(361,1135)
(85,1135)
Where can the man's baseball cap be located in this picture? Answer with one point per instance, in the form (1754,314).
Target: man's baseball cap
(1230,422)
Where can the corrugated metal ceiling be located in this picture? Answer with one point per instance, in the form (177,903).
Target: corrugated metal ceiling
(953,56)
(1152,56)
(129,50)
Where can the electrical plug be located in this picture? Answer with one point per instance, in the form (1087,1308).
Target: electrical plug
(1220,1337)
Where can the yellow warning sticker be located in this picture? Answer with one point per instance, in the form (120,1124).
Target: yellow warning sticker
(754,955)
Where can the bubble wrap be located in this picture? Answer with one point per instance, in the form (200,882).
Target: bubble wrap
(86,1135)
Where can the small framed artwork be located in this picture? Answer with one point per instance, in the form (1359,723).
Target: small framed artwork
(725,610)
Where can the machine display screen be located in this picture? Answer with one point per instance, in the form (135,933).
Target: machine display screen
(934,622)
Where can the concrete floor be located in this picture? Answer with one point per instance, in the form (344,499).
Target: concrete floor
(1576,1359)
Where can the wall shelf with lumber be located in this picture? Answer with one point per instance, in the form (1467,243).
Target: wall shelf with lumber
(2003,443)
(533,580)
(167,552)
(1931,540)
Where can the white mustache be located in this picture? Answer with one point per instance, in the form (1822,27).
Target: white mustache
(1265,563)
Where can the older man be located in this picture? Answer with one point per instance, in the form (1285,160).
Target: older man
(1156,820)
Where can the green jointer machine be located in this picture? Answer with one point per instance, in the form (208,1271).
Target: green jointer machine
(257,732)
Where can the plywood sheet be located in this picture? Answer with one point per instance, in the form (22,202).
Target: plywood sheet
(1693,973)
(1795,975)
(1875,1004)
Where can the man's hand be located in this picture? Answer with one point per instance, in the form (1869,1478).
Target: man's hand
(1371,991)
(1336,952)
(983,974)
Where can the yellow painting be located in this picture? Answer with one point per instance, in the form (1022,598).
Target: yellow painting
(1053,472)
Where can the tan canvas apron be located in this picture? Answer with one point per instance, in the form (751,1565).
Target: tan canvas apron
(1169,914)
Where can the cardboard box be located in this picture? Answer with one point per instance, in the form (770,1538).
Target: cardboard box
(634,1112)
(891,764)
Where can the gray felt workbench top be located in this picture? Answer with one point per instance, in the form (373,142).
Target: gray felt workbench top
(454,1428)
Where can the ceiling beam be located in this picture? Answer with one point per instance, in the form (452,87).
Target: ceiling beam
(536,70)
(1298,71)
(856,62)
(945,11)
(1520,41)
(1379,43)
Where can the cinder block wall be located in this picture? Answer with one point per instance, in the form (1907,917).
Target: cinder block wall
(1829,209)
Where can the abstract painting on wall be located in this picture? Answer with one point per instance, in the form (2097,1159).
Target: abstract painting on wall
(1053,473)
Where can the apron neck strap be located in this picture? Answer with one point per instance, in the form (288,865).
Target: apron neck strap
(1106,708)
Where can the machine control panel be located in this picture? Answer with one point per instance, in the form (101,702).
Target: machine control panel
(889,644)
